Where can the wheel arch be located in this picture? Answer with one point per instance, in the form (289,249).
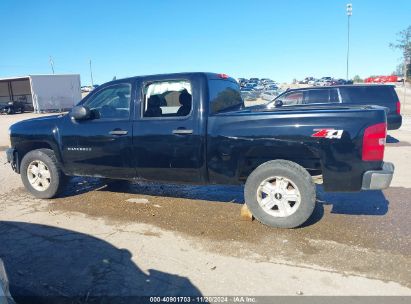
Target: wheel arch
(307,158)
(25,147)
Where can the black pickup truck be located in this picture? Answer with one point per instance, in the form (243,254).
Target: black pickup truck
(194,128)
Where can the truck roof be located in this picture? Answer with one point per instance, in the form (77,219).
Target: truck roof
(209,76)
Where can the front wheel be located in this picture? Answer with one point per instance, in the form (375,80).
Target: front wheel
(41,173)
(280,194)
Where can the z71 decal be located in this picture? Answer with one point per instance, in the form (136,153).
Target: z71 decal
(327,133)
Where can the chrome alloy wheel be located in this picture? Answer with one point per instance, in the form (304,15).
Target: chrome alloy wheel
(278,196)
(38,175)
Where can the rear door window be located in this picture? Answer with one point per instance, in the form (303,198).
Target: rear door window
(167,99)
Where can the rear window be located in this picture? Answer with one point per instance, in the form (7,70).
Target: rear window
(369,95)
(224,96)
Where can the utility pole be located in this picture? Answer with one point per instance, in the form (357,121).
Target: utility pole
(51,64)
(349,14)
(91,74)
(405,80)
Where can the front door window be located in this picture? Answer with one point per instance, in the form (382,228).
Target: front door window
(112,102)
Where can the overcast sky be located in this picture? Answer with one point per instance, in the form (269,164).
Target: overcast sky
(253,38)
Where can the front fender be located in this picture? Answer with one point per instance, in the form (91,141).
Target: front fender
(38,133)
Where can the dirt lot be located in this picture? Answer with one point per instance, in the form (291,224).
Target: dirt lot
(148,238)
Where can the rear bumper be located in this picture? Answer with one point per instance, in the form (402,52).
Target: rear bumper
(378,179)
(394,122)
(13,159)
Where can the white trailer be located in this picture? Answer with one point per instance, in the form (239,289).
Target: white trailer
(42,93)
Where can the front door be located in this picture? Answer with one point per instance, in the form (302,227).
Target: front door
(102,145)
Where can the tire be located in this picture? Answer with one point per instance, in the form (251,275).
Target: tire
(290,189)
(53,177)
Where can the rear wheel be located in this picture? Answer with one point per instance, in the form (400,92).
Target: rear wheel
(281,194)
(41,173)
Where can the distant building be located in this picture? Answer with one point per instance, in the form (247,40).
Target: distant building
(42,93)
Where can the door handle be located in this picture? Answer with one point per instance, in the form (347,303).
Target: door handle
(182,132)
(118,132)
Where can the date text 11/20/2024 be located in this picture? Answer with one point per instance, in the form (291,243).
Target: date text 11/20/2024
(204,299)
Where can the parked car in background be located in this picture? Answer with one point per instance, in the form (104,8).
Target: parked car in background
(251,85)
(248,94)
(255,80)
(312,81)
(320,83)
(86,89)
(271,87)
(242,81)
(306,80)
(341,81)
(270,82)
(259,88)
(13,107)
(327,78)
(380,95)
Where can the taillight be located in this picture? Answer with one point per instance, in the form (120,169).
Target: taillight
(373,142)
(223,76)
(398,107)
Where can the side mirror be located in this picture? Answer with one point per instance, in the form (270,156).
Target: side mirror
(80,113)
(278,103)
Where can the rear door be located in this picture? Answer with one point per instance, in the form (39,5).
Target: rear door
(168,141)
